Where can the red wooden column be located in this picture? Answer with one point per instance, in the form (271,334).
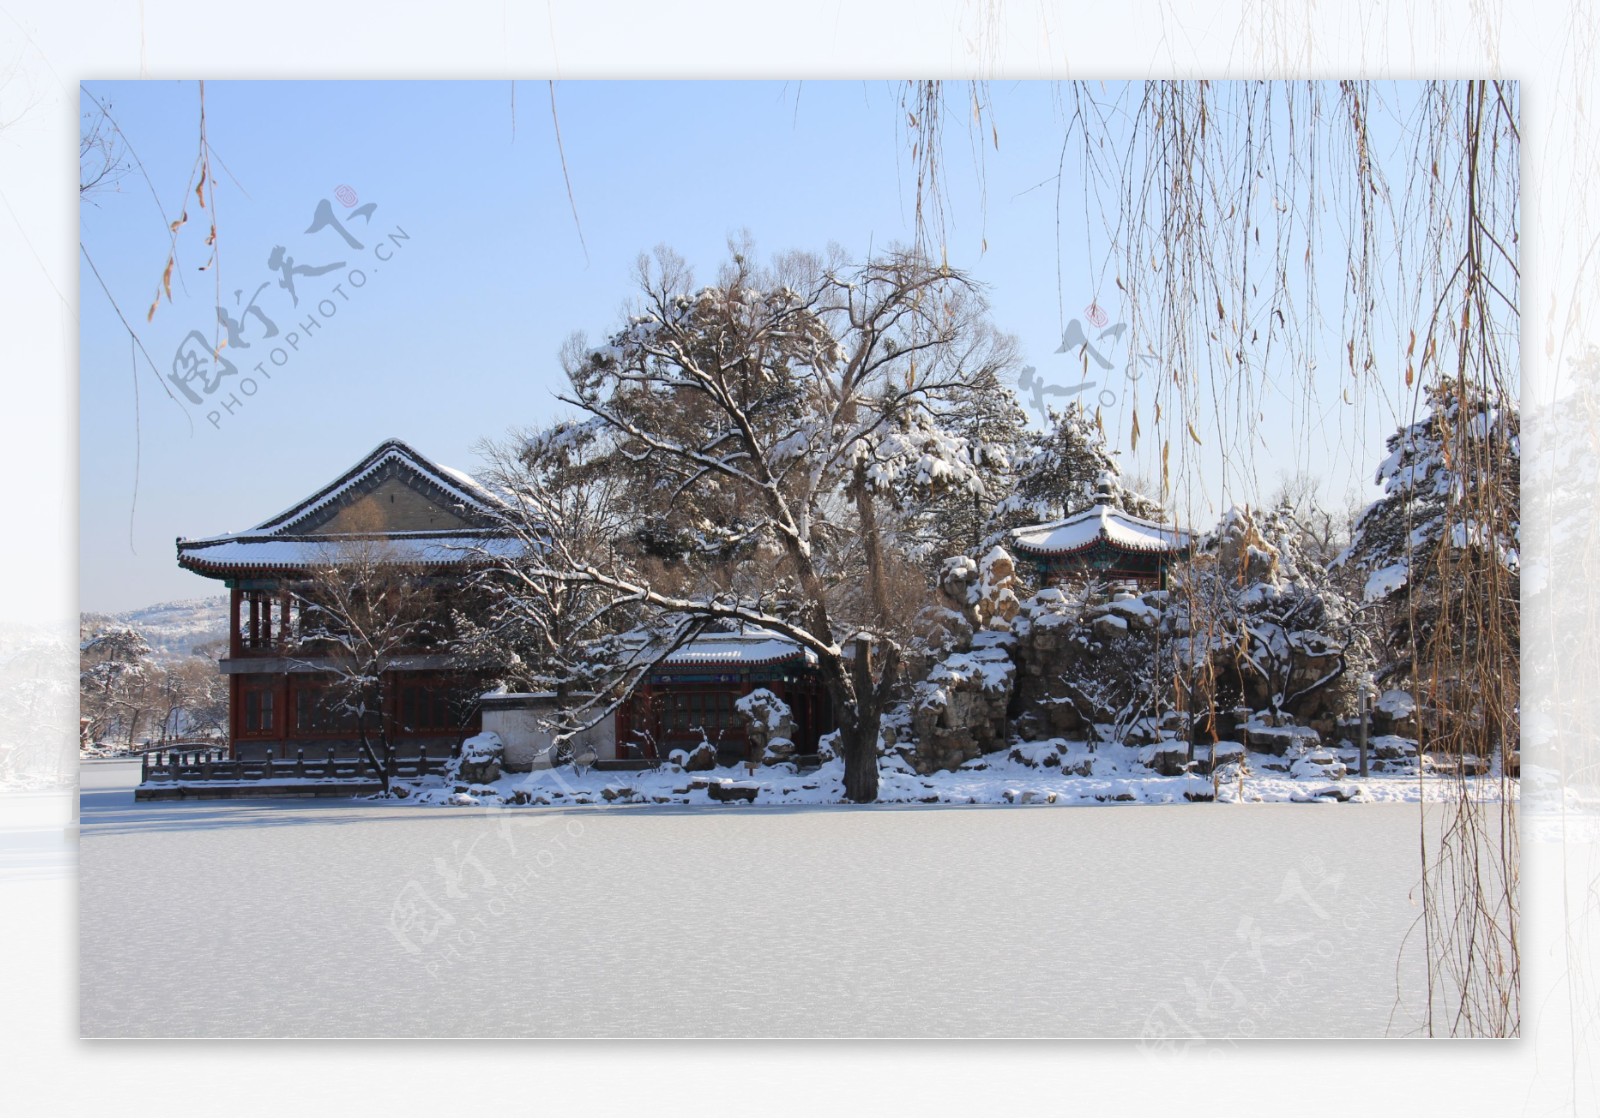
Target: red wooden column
(234,597)
(280,700)
(235,715)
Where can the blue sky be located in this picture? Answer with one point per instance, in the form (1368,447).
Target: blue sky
(454,337)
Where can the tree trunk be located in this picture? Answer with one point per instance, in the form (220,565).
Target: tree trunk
(381,765)
(859,735)
(860,753)
(134,714)
(872,548)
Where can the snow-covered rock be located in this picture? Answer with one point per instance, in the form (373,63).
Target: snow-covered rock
(769,726)
(480,759)
(1263,737)
(1167,757)
(959,711)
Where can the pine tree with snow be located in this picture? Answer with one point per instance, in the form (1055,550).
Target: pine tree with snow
(1451,506)
(115,667)
(991,423)
(1067,468)
(1440,556)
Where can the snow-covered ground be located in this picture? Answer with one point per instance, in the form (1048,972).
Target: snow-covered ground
(1182,926)
(1055,772)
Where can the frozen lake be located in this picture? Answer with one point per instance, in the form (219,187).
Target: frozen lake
(339,918)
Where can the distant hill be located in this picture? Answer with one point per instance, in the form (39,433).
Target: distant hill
(173,629)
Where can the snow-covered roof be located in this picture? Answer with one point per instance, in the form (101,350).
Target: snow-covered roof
(389,456)
(297,538)
(410,549)
(751,648)
(1097,524)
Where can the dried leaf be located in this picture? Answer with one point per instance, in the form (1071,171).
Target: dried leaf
(1193,435)
(1135,443)
(199,189)
(1166,448)
(166,279)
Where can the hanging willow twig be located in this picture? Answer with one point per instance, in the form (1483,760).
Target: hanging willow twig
(1348,249)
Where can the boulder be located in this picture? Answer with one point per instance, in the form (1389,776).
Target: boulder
(778,751)
(1242,552)
(1144,732)
(702,757)
(1109,627)
(1392,747)
(1222,753)
(959,711)
(1028,796)
(768,720)
(1167,757)
(1046,755)
(996,599)
(956,593)
(828,748)
(728,791)
(1285,741)
(1081,765)
(480,760)
(1318,764)
(1395,712)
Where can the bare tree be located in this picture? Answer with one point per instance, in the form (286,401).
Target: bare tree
(1226,208)
(114,674)
(190,698)
(560,494)
(776,422)
(102,152)
(362,609)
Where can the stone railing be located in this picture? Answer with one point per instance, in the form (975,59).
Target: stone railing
(212,765)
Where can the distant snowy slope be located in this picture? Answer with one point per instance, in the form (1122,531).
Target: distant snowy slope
(173,629)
